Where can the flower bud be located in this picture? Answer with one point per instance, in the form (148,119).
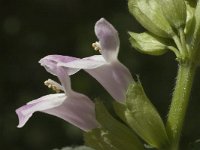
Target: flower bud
(148,44)
(150,16)
(196,34)
(174,11)
(190,23)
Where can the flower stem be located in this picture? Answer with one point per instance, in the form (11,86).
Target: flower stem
(180,99)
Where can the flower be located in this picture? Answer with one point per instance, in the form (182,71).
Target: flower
(105,68)
(71,106)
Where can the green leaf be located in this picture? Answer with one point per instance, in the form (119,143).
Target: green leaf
(175,12)
(143,117)
(113,135)
(150,16)
(148,44)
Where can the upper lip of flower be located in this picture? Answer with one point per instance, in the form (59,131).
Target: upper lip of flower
(50,63)
(108,39)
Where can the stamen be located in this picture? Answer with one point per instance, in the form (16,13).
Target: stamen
(96,46)
(53,85)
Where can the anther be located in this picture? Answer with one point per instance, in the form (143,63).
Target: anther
(96,46)
(53,85)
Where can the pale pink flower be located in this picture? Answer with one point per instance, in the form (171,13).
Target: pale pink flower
(105,68)
(69,105)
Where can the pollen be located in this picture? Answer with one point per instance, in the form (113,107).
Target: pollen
(53,85)
(96,46)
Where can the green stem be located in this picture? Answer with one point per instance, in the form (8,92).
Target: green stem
(179,103)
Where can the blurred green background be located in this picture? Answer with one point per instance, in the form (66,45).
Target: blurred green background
(32,29)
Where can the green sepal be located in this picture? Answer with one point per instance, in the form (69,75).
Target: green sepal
(148,43)
(142,117)
(112,135)
(95,140)
(120,110)
(175,12)
(149,14)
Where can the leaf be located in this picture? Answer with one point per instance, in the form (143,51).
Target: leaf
(143,117)
(149,14)
(148,44)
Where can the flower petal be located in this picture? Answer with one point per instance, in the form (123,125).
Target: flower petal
(114,77)
(108,39)
(62,75)
(41,104)
(78,110)
(50,63)
(85,63)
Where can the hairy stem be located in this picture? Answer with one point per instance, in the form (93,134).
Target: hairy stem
(179,103)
